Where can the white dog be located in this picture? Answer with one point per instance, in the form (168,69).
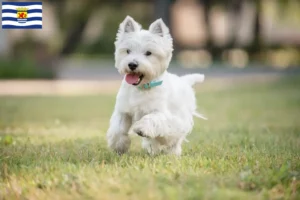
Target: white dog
(151,102)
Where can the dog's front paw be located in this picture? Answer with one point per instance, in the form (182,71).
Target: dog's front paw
(141,133)
(142,129)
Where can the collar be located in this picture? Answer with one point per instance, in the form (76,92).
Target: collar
(150,85)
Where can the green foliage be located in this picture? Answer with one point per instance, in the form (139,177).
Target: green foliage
(114,16)
(22,69)
(248,149)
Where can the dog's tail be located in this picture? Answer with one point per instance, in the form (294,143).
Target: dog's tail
(191,79)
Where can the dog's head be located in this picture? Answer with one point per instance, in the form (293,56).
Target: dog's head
(142,55)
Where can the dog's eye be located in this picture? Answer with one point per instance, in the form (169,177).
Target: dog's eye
(128,51)
(148,53)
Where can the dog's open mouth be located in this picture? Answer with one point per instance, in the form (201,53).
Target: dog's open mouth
(134,78)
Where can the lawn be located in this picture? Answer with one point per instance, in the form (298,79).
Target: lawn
(54,148)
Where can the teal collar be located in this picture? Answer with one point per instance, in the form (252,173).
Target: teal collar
(150,85)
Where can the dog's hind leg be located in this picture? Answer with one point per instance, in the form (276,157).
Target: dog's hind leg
(151,146)
(117,134)
(175,149)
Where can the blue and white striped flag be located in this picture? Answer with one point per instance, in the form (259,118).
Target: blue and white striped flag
(22,15)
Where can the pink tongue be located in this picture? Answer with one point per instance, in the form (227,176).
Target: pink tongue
(132,78)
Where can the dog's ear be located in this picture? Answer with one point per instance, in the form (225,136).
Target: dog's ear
(159,28)
(128,26)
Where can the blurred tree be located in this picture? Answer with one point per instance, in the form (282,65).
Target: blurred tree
(234,8)
(257,42)
(235,11)
(79,23)
(207,5)
(162,10)
(215,52)
(141,11)
(283,4)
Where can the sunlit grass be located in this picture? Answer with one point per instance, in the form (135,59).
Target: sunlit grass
(54,148)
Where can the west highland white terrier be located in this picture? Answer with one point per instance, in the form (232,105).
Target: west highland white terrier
(152,103)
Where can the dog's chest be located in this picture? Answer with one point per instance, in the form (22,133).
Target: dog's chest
(138,104)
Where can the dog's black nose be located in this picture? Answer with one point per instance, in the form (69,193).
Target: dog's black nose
(132,66)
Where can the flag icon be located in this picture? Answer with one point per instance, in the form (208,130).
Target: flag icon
(22,15)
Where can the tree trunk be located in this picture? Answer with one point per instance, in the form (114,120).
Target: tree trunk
(162,10)
(235,11)
(80,22)
(257,42)
(207,7)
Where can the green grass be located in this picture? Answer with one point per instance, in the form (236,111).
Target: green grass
(55,148)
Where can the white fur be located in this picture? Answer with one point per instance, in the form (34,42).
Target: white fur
(163,115)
